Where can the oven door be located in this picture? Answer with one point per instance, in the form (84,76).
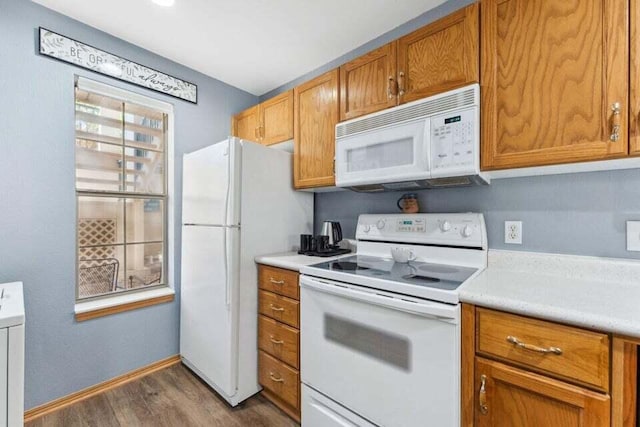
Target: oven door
(389,360)
(392,154)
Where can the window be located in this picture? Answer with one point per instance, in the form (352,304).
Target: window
(121,194)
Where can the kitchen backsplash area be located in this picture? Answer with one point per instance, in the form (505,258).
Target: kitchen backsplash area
(579,214)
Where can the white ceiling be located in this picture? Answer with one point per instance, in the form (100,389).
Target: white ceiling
(255,45)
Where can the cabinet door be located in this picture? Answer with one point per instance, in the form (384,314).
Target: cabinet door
(316,115)
(634,110)
(439,57)
(551,71)
(276,116)
(512,397)
(368,83)
(246,124)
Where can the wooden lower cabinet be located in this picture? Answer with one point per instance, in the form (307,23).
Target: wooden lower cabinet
(508,396)
(550,375)
(279,338)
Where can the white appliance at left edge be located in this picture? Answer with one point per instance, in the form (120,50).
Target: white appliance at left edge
(237,203)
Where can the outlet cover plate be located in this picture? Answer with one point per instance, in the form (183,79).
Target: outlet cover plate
(633,236)
(513,232)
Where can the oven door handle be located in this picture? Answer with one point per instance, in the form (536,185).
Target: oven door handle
(441,311)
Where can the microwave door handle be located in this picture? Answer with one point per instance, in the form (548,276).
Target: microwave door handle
(425,309)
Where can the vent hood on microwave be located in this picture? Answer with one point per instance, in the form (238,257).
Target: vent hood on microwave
(429,143)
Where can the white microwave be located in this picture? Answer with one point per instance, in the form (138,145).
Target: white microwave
(433,142)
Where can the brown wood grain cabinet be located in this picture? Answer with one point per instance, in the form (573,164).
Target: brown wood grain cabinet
(269,122)
(523,371)
(279,338)
(368,83)
(246,124)
(554,81)
(276,119)
(316,108)
(508,396)
(441,56)
(634,81)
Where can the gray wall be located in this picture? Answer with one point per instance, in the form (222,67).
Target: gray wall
(581,214)
(37,204)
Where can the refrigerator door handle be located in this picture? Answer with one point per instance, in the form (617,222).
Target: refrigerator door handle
(227,279)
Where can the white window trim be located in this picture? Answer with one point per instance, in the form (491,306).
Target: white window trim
(167,108)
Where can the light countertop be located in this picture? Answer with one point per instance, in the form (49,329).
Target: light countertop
(596,293)
(293,261)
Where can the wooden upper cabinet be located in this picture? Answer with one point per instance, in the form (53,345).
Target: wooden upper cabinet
(507,396)
(634,110)
(267,123)
(368,83)
(316,115)
(277,119)
(442,56)
(551,73)
(246,124)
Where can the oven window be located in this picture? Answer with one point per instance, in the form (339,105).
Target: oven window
(383,155)
(386,347)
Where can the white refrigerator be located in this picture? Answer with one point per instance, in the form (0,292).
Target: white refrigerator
(237,203)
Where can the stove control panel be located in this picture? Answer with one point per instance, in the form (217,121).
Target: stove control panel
(456,229)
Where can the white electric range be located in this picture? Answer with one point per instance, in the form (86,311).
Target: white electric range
(380,340)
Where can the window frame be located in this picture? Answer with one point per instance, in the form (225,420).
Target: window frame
(131,297)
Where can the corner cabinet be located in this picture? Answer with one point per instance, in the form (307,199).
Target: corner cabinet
(316,110)
(441,56)
(268,123)
(555,79)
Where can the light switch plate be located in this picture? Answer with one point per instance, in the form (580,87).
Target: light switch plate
(633,236)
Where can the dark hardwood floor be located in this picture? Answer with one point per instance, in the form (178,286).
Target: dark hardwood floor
(171,397)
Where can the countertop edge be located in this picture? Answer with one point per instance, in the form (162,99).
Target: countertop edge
(554,314)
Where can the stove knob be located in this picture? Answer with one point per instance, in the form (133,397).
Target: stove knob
(366,228)
(445,226)
(466,231)
(380,224)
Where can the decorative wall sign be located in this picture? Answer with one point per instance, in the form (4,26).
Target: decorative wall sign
(68,50)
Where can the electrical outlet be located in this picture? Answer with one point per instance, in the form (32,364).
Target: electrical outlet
(633,236)
(513,232)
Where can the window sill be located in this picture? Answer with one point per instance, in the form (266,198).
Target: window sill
(119,303)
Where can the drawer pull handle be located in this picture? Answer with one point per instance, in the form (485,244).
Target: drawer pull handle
(274,308)
(274,379)
(275,341)
(276,282)
(482,395)
(551,350)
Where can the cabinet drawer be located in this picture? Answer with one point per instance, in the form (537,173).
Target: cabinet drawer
(568,352)
(279,308)
(278,280)
(279,379)
(279,340)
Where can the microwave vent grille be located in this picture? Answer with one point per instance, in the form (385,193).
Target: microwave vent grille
(426,108)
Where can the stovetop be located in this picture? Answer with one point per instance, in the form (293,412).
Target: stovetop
(416,273)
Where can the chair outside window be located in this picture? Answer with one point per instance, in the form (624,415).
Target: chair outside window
(97,277)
